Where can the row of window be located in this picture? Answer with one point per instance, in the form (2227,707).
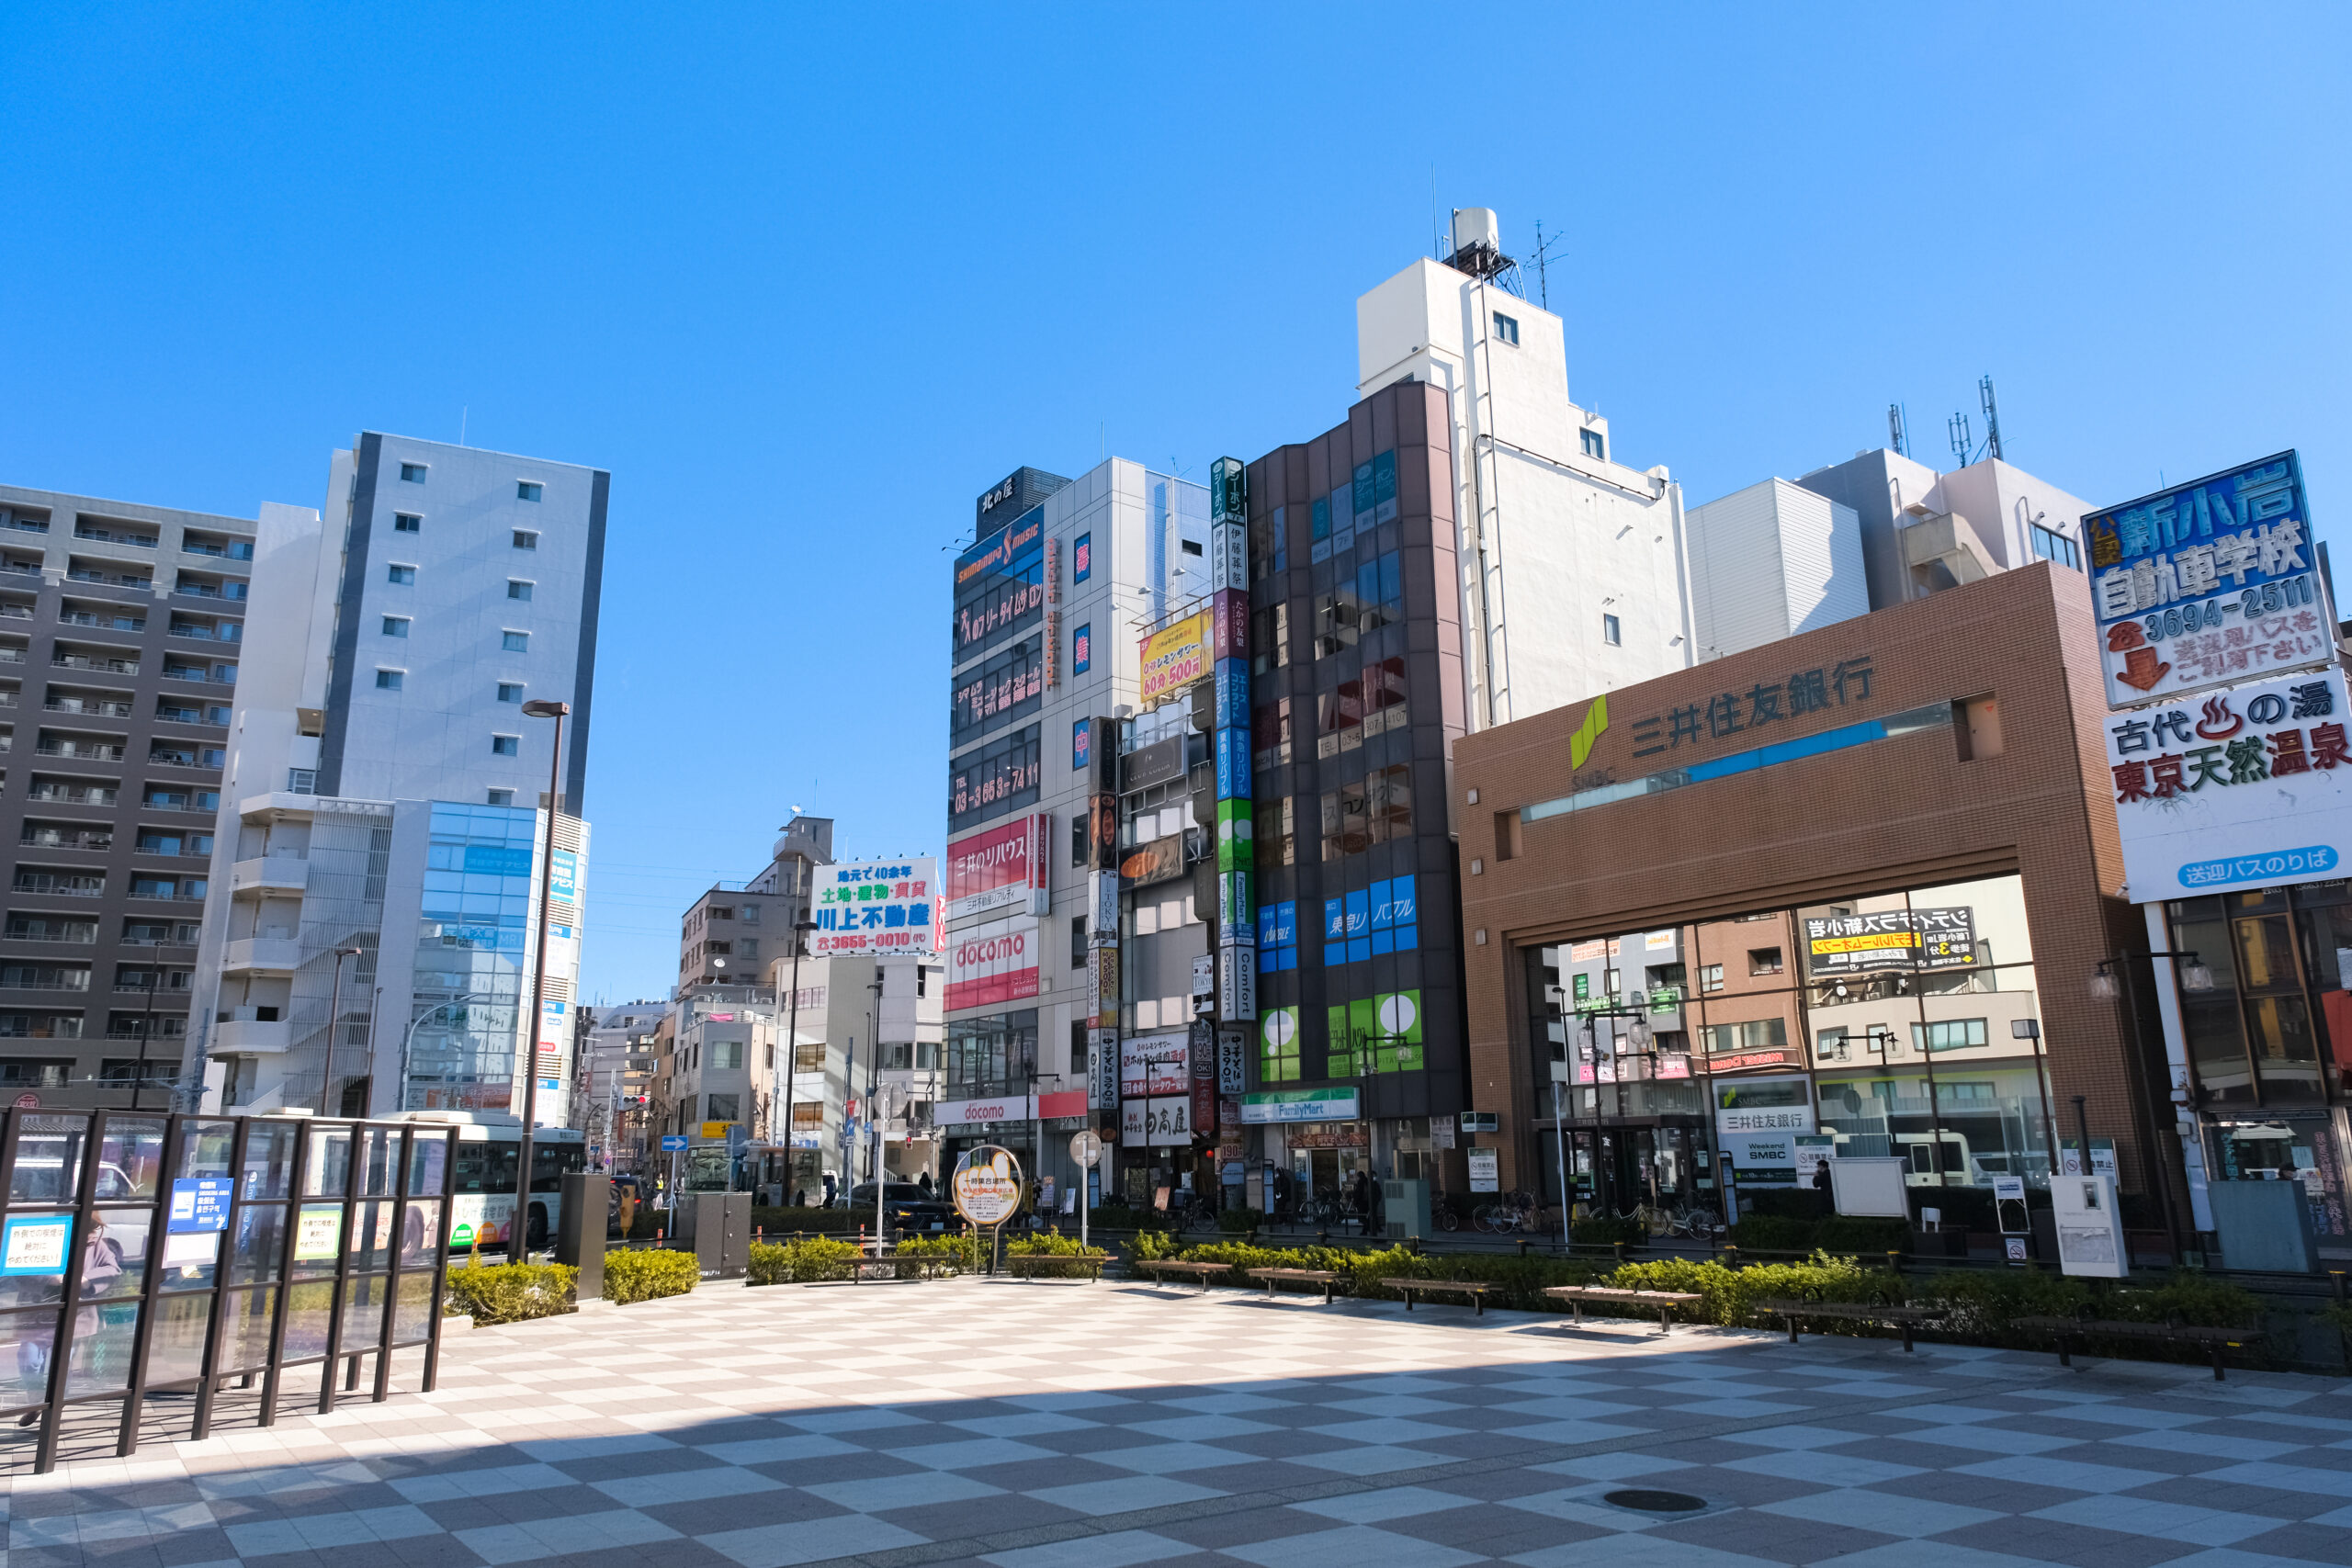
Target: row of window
(524,490)
(405,573)
(140,978)
(510,641)
(391,677)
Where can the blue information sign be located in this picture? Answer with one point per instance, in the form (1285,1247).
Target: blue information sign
(34,1243)
(673,1143)
(200,1203)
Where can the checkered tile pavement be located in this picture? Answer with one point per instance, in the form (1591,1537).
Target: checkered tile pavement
(1075,1425)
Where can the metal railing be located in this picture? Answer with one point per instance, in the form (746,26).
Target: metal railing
(143,1255)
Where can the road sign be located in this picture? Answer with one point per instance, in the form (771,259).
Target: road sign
(673,1143)
(1086,1149)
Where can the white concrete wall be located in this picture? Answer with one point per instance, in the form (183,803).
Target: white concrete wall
(1770,561)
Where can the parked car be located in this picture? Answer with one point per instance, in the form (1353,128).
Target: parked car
(907,1207)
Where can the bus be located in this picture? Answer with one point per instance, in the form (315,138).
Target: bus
(481,1208)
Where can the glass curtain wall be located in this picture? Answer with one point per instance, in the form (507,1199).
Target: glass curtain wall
(469,967)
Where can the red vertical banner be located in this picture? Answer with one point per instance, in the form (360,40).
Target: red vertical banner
(1204,1064)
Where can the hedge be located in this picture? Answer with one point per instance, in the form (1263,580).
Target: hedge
(772,1222)
(510,1292)
(649,1272)
(1839,1233)
(802,1260)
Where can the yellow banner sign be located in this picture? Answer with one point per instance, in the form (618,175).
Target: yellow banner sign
(1176,656)
(1871,943)
(716,1129)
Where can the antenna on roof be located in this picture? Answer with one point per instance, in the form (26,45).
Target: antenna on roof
(1957,428)
(1897,436)
(1992,418)
(1542,245)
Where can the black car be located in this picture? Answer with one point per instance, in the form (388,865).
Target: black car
(907,1207)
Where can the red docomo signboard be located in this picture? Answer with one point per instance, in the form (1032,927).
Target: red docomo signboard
(1003,869)
(992,963)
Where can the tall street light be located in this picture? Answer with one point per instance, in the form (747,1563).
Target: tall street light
(335,1020)
(522,1224)
(800,930)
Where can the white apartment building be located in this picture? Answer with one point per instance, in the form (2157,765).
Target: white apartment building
(1572,563)
(385,796)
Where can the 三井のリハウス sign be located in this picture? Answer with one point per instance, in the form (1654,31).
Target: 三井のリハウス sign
(2248,786)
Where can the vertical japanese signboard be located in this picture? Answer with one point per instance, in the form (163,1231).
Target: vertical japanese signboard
(2207,583)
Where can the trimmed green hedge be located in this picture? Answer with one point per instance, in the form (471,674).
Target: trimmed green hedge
(647,1273)
(510,1292)
(803,1260)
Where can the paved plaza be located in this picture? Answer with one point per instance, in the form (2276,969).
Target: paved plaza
(1075,1425)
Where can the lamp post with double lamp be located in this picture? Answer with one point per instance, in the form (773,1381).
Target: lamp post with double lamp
(335,1009)
(521,1234)
(800,930)
(2108,984)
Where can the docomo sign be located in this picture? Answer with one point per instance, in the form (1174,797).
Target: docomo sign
(974,1112)
(992,963)
(1003,868)
(987,1185)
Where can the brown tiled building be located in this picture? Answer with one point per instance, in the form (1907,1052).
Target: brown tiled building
(1845,891)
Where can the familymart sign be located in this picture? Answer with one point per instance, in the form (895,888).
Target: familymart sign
(1301,1105)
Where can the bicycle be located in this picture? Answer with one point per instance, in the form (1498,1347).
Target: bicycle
(1507,1213)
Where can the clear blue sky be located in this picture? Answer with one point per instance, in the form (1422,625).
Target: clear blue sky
(806,282)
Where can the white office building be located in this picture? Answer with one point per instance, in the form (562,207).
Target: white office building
(384,806)
(1770,562)
(1572,563)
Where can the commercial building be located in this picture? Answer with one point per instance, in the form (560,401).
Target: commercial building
(120,635)
(385,804)
(613,1081)
(1843,895)
(1047,959)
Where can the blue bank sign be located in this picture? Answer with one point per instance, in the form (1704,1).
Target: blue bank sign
(2248,786)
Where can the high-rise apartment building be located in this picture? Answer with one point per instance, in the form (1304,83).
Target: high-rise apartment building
(120,638)
(385,805)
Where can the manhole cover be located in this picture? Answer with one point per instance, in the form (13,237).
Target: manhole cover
(1650,1502)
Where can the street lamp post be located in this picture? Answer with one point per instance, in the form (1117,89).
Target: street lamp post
(334,1009)
(800,930)
(2108,984)
(522,1232)
(146,1030)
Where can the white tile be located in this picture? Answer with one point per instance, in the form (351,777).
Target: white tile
(1120,1551)
(1392,1503)
(884,1493)
(2075,1476)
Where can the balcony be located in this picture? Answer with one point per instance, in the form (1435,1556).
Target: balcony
(228,631)
(113,536)
(236,550)
(62,839)
(12,612)
(94,618)
(87,661)
(251,1036)
(24,524)
(109,579)
(210,590)
(85,750)
(262,955)
(270,874)
(93,706)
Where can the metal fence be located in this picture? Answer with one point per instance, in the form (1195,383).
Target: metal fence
(145,1255)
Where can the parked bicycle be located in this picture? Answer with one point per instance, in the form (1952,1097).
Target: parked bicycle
(1509,1212)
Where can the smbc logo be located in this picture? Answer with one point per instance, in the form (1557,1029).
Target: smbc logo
(1595,725)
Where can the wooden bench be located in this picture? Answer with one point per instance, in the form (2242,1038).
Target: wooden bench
(1027,1264)
(1203,1272)
(2066,1331)
(1325,1278)
(1906,1318)
(1664,1301)
(1474,1289)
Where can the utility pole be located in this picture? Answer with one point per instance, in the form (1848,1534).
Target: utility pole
(521,1224)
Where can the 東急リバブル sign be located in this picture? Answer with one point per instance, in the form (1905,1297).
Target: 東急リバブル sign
(873,907)
(1891,939)
(2208,583)
(2246,786)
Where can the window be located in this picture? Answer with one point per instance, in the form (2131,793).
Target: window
(407,523)
(516,642)
(1763,961)
(1078,825)
(1278,1046)
(1081,648)
(1596,445)
(1711,979)
(1077,942)
(1375,810)
(2052,546)
(404,575)
(1275,837)
(510,692)
(1948,1035)
(525,490)
(506,745)
(516,587)
(413,472)
(1611,632)
(390,680)
(1277,936)
(723,1107)
(1506,329)
(501,797)
(525,540)
(726,1054)
(396,626)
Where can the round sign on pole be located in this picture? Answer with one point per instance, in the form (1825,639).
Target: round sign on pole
(1086,1149)
(987,1185)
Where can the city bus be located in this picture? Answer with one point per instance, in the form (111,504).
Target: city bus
(482,1209)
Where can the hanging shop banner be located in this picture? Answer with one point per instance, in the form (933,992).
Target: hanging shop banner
(1230,611)
(1204,1063)
(1889,939)
(1160,763)
(1102,985)
(992,963)
(1103,1070)
(1232,1062)
(868,908)
(1162,860)
(1002,869)
(1176,656)
(2208,583)
(2249,785)
(1236,984)
(1155,1064)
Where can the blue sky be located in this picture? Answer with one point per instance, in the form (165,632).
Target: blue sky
(806,281)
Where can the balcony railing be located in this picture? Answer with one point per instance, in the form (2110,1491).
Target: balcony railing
(24,524)
(77,934)
(87,706)
(85,752)
(103,536)
(109,579)
(61,886)
(71,794)
(16,612)
(87,662)
(91,618)
(211,590)
(48,838)
(231,633)
(236,549)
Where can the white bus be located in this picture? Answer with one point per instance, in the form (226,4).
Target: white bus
(481,1208)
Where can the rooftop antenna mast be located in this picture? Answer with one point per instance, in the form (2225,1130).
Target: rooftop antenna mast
(1542,245)
(1957,428)
(1897,435)
(1992,418)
